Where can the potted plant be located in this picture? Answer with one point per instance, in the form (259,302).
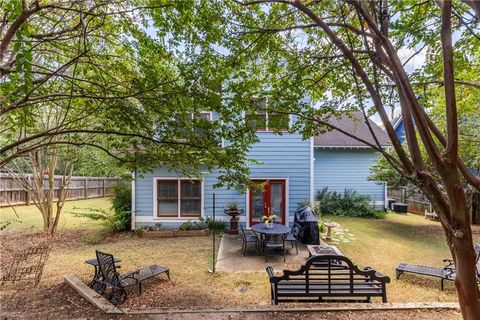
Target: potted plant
(269,220)
(232,208)
(233,211)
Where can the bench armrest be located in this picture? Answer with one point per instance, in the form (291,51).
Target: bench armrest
(376,274)
(450,262)
(272,277)
(270,272)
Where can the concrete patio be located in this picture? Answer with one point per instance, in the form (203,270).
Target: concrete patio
(230,257)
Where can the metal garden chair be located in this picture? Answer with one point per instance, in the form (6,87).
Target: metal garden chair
(246,239)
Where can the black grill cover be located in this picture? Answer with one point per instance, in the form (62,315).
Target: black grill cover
(305,226)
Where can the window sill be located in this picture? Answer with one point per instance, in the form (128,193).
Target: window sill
(178,218)
(270,131)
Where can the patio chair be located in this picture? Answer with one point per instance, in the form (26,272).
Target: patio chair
(447,272)
(274,242)
(120,283)
(246,239)
(293,240)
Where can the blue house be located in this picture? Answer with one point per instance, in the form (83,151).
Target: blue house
(293,169)
(399,128)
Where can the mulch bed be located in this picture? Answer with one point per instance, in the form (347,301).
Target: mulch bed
(62,302)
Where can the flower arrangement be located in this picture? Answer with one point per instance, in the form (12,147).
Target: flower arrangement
(270,218)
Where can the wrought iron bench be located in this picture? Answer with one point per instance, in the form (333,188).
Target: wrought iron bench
(27,265)
(109,277)
(446,273)
(327,278)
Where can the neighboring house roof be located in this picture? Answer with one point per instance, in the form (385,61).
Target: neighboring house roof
(353,123)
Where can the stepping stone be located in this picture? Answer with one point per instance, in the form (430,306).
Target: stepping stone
(241,290)
(346,240)
(351,234)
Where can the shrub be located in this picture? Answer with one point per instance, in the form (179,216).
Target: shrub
(321,225)
(140,231)
(217,227)
(122,208)
(350,203)
(187,225)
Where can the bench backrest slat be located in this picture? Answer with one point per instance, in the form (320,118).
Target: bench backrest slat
(331,271)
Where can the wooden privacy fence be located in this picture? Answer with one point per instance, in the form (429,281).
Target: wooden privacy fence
(11,192)
(415,200)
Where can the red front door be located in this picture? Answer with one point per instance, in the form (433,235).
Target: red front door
(267,202)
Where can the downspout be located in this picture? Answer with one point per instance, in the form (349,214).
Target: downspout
(132,223)
(312,170)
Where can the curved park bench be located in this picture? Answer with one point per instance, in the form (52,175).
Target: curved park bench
(109,277)
(327,278)
(446,273)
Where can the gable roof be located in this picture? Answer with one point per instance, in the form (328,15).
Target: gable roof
(353,123)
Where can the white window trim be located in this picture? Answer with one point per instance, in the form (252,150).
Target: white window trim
(177,218)
(210,114)
(267,129)
(287,198)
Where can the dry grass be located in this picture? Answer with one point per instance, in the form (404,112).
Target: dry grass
(379,243)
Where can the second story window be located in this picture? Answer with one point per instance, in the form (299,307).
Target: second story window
(201,127)
(266,120)
(206,115)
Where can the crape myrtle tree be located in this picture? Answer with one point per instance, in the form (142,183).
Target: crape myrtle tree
(116,88)
(350,55)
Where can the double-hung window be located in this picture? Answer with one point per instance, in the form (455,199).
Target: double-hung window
(264,119)
(206,115)
(178,198)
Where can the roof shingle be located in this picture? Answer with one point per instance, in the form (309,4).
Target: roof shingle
(353,123)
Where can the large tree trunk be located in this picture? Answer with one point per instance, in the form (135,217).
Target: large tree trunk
(456,224)
(463,253)
(466,282)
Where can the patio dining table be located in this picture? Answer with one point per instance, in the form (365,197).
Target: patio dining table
(275,230)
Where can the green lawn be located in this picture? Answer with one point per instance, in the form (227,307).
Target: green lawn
(29,217)
(383,243)
(380,244)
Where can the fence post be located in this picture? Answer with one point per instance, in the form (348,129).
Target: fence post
(403,195)
(29,182)
(85,188)
(103,189)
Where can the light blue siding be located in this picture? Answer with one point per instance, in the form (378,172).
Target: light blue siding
(338,169)
(400,131)
(284,157)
